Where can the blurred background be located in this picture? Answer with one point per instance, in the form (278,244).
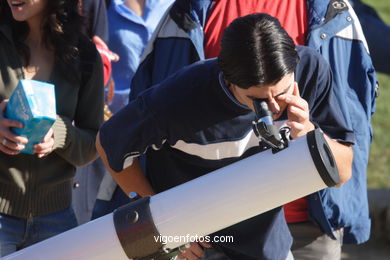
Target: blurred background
(378,247)
(379,164)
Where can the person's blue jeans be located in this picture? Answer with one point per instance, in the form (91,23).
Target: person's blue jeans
(17,233)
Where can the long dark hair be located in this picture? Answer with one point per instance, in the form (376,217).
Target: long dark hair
(62,25)
(256,51)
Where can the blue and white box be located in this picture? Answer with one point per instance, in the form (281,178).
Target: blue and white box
(34,104)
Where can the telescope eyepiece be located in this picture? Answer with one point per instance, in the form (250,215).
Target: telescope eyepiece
(261,108)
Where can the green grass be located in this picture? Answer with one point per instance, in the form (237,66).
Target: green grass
(379,162)
(382,7)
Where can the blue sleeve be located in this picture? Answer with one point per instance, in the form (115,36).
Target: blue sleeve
(129,133)
(315,82)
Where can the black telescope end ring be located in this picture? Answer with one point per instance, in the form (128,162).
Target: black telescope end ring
(136,231)
(323,157)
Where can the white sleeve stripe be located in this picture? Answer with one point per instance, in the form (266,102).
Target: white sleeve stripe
(222,150)
(353,31)
(128,161)
(129,157)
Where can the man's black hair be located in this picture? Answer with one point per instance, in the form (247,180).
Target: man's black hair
(256,51)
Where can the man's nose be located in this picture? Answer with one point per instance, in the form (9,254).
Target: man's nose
(273,106)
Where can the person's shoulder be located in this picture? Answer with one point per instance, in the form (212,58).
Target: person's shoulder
(200,70)
(195,77)
(310,60)
(203,65)
(308,54)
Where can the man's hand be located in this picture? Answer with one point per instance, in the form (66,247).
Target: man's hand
(46,147)
(299,121)
(297,113)
(10,143)
(193,250)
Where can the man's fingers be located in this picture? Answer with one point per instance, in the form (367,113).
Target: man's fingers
(196,249)
(205,244)
(191,251)
(295,126)
(293,100)
(189,255)
(297,129)
(297,114)
(296,90)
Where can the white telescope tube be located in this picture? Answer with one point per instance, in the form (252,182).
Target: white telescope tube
(237,192)
(222,198)
(96,240)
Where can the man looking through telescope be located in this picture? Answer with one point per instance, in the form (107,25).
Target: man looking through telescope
(200,119)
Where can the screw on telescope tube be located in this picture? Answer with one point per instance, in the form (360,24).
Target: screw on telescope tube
(132,217)
(166,249)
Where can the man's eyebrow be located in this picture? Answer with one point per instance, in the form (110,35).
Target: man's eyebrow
(283,92)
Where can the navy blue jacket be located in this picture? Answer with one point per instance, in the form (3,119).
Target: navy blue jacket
(199,128)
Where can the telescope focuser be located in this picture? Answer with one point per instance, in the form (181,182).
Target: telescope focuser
(265,129)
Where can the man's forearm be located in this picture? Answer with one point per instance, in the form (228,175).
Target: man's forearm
(343,155)
(130,179)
